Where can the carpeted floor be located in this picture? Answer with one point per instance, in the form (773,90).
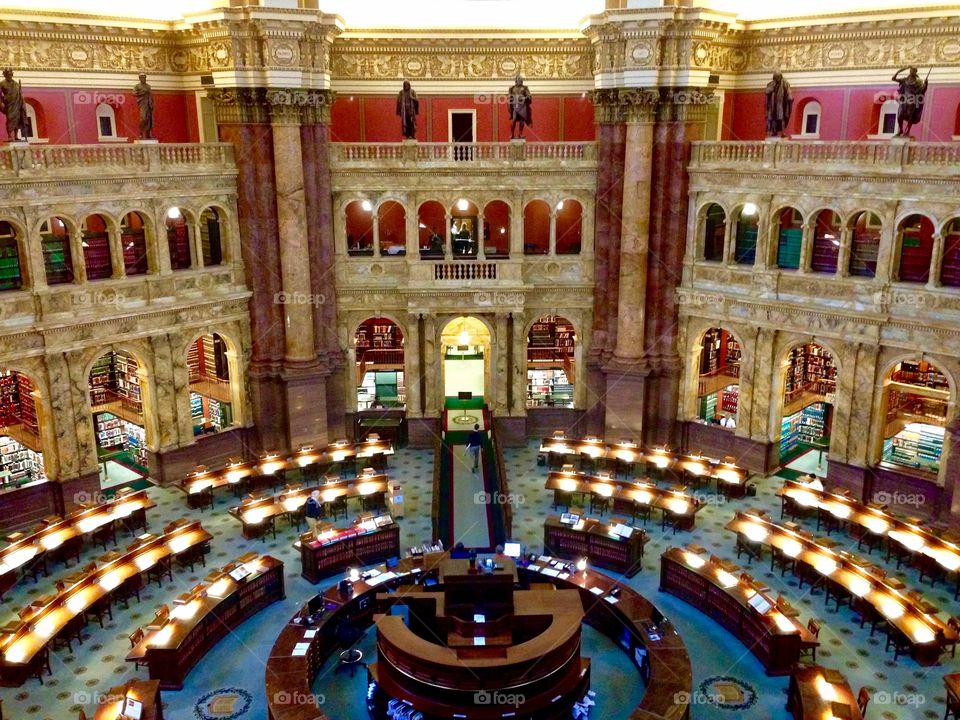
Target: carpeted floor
(234,669)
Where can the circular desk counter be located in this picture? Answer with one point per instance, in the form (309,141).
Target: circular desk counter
(628,619)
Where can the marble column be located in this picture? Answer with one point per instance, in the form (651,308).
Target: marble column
(411,366)
(936,260)
(500,368)
(951,468)
(806,246)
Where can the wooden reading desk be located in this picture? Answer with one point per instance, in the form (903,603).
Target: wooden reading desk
(146,692)
(816,693)
(64,538)
(176,640)
(614,546)
(370,540)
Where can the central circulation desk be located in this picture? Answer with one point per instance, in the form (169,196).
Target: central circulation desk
(202,617)
(626,617)
(336,550)
(596,541)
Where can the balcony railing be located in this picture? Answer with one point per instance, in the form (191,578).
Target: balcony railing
(882,156)
(506,152)
(465,271)
(73,160)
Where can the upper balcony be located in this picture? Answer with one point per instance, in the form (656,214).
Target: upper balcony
(874,157)
(512,155)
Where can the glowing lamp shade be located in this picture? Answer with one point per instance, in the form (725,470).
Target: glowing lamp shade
(338,455)
(144,561)
(19,557)
(643,497)
(876,525)
(677,505)
(923,634)
(186,611)
(728,475)
(269,468)
(46,627)
(825,565)
(367,488)
(162,635)
(839,510)
(219,588)
(593,452)
(180,543)
(604,490)
(749,209)
(694,561)
(254,516)
(16,652)
(568,484)
(826,691)
(726,579)
(292,503)
(783,622)
(890,608)
(463,204)
(791,547)
(234,476)
(111,580)
(660,461)
(859,586)
(949,560)
(354,575)
(200,486)
(124,509)
(173,213)
(582,564)
(92,523)
(77,602)
(908,540)
(560,205)
(697,468)
(464,338)
(304,461)
(52,541)
(805,498)
(755,532)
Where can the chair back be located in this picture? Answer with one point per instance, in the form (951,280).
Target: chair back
(863,699)
(135,637)
(814,627)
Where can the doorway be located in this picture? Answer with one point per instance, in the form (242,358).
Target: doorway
(465,353)
(462,128)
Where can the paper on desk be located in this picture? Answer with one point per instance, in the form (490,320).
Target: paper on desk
(300,649)
(550,572)
(381,578)
(612,600)
(309,634)
(596,590)
(544,558)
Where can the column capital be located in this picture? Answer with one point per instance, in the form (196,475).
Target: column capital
(277,105)
(684,104)
(620,105)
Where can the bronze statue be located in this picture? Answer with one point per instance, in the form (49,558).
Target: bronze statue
(779,105)
(12,105)
(912,91)
(407,108)
(519,100)
(144,97)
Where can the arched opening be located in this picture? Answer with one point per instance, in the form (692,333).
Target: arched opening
(810,120)
(865,230)
(464,228)
(496,229)
(915,240)
(57,258)
(11,274)
(95,241)
(133,238)
(465,351)
(789,239)
(915,399)
(359,226)
(887,117)
(106,122)
(745,233)
(569,227)
(392,222)
(536,228)
(431,218)
(551,369)
(380,380)
(714,232)
(809,386)
(36,127)
(178,239)
(826,242)
(117,408)
(211,394)
(211,237)
(950,267)
(718,385)
(21,452)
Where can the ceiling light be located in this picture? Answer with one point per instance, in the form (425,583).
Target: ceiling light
(749,210)
(367,207)
(173,213)
(463,204)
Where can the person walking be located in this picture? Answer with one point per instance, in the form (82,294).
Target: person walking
(314,511)
(474,443)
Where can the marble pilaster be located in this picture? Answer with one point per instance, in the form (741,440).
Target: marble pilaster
(502,370)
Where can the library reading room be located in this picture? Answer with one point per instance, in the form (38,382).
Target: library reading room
(479,360)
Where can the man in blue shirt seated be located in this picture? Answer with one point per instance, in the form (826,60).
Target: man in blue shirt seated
(313,511)
(474,442)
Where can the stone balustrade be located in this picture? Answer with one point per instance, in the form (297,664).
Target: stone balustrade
(512,153)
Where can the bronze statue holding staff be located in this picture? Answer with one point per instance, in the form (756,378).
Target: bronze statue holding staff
(910,99)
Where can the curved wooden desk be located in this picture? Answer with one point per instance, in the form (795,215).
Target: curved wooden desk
(627,619)
(816,693)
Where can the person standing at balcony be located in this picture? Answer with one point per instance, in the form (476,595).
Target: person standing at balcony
(408,106)
(910,99)
(144,95)
(779,105)
(519,101)
(12,105)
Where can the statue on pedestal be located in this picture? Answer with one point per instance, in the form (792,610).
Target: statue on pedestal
(779,105)
(910,99)
(12,105)
(407,108)
(519,101)
(144,96)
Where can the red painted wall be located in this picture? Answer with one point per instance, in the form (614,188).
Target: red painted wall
(373,118)
(847,113)
(68,116)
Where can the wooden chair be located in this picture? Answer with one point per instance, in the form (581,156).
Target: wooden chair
(70,632)
(952,710)
(83,716)
(953,623)
(161,569)
(641,510)
(561,497)
(338,507)
(131,586)
(898,640)
(41,662)
(599,503)
(814,627)
(135,638)
(863,699)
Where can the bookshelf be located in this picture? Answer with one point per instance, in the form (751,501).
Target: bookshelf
(826,252)
(135,438)
(109,428)
(950,264)
(10,275)
(548,387)
(96,255)
(134,251)
(730,399)
(101,380)
(864,249)
(916,249)
(591,539)
(811,370)
(708,406)
(918,446)
(18,463)
(348,548)
(745,250)
(788,248)
(813,423)
(178,243)
(9,401)
(551,339)
(28,409)
(57,263)
(789,434)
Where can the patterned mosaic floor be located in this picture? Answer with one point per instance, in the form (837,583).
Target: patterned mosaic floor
(228,683)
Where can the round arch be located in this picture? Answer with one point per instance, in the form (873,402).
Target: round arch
(377,348)
(29,453)
(551,361)
(467,347)
(215,378)
(865,228)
